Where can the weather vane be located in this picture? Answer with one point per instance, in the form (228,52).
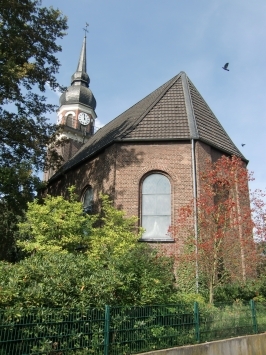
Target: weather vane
(85,29)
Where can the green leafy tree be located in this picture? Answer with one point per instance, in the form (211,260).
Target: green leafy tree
(73,280)
(28,45)
(55,225)
(114,233)
(17,186)
(59,224)
(78,259)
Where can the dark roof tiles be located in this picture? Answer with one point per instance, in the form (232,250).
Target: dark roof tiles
(166,117)
(209,128)
(174,111)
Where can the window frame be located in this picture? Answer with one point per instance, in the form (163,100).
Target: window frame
(70,120)
(167,237)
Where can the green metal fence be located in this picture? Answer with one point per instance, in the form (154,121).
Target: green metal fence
(227,320)
(122,330)
(51,331)
(140,329)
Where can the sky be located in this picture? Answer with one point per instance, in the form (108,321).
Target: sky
(135,46)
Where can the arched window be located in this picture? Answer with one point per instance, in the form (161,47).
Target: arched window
(156,207)
(87,200)
(70,120)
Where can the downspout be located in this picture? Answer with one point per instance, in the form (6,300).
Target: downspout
(194,136)
(195,210)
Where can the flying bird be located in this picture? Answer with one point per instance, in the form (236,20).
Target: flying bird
(243,144)
(226,66)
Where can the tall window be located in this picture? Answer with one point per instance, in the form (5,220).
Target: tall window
(70,121)
(156,207)
(87,200)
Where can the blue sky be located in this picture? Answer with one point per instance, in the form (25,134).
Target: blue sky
(134,46)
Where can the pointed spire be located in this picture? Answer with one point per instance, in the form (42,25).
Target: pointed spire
(80,77)
(82,59)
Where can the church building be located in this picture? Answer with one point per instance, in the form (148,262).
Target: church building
(148,159)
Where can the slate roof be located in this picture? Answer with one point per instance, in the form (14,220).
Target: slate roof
(175,111)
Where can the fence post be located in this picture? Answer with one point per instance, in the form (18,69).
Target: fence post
(106,329)
(196,321)
(254,318)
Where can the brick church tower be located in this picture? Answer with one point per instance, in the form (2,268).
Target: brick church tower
(76,113)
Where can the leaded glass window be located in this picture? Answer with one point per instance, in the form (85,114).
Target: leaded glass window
(156,207)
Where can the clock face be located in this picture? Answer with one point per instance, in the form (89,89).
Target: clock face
(84,118)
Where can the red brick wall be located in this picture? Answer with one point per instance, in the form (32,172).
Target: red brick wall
(69,149)
(120,169)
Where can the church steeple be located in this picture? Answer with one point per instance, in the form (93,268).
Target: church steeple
(76,113)
(77,108)
(80,77)
(82,65)
(79,91)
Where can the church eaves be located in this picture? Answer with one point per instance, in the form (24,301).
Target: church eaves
(175,111)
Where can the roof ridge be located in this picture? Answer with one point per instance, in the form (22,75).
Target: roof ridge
(168,85)
(189,107)
(217,120)
(188,116)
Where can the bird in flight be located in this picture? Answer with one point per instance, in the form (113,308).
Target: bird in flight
(226,66)
(243,144)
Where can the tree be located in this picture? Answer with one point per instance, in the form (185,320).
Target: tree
(113,234)
(223,248)
(75,259)
(72,280)
(55,225)
(60,225)
(17,186)
(28,44)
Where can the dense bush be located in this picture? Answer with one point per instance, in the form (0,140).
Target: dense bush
(139,277)
(79,260)
(240,291)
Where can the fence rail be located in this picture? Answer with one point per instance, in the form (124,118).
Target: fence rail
(120,330)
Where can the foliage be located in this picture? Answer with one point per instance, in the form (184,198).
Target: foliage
(56,225)
(148,276)
(258,208)
(187,298)
(59,224)
(132,329)
(238,291)
(73,280)
(28,44)
(223,249)
(113,233)
(81,259)
(51,331)
(17,186)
